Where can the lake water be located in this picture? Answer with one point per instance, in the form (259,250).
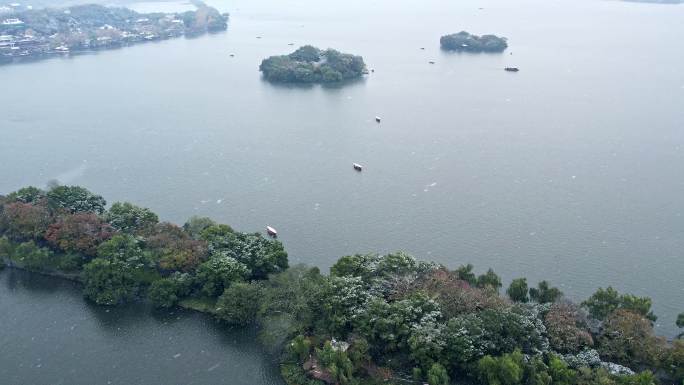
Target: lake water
(571,170)
(51,336)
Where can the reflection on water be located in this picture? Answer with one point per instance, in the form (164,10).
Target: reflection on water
(50,335)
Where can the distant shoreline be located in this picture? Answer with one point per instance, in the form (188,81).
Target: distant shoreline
(30,35)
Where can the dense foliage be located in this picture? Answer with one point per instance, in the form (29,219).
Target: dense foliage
(463,41)
(375,319)
(311,65)
(124,253)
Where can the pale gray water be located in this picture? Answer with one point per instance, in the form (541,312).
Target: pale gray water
(570,170)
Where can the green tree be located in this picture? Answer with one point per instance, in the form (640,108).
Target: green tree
(218,273)
(389,326)
(627,338)
(489,279)
(261,256)
(437,375)
(336,361)
(639,305)
(545,294)
(33,257)
(504,370)
(306,53)
(28,194)
(604,301)
(300,347)
(560,372)
(195,225)
(464,341)
(673,361)
(109,282)
(343,299)
(504,330)
(293,301)
(398,263)
(517,291)
(359,352)
(239,303)
(75,199)
(6,248)
(465,273)
(426,343)
(166,292)
(125,248)
(358,265)
(129,218)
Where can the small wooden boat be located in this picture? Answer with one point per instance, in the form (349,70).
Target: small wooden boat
(271,231)
(377,119)
(512,69)
(358,167)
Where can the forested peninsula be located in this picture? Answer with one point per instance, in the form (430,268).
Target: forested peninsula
(374,319)
(309,64)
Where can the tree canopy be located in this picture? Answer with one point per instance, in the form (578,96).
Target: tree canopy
(309,64)
(464,41)
(374,318)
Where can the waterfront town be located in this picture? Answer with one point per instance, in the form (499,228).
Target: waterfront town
(26,31)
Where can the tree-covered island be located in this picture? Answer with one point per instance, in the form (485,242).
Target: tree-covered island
(309,64)
(374,319)
(464,41)
(28,32)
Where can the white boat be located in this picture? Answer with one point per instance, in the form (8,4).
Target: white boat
(377,119)
(271,231)
(358,167)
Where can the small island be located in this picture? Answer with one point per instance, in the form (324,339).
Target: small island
(26,32)
(309,64)
(464,41)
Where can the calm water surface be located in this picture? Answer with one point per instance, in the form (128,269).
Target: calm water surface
(52,336)
(571,170)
